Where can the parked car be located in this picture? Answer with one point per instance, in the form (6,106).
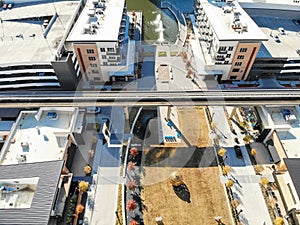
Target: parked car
(276,38)
(93,110)
(238,151)
(296,22)
(10,5)
(281,31)
(4,6)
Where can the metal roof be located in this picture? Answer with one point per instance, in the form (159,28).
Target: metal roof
(293,166)
(41,206)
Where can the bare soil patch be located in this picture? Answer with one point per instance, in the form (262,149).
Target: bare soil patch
(207,197)
(194,125)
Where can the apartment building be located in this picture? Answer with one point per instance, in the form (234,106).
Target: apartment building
(33,54)
(34,194)
(39,149)
(101,42)
(229,38)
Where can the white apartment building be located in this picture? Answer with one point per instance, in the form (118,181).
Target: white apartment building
(100,41)
(229,38)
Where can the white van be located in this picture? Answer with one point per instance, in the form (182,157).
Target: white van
(93,109)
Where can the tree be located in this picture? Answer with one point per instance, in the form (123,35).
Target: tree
(264,181)
(225,170)
(131,166)
(131,185)
(188,63)
(247,139)
(176,179)
(189,73)
(253,152)
(213,125)
(222,152)
(235,203)
(133,151)
(131,205)
(279,221)
(79,208)
(229,183)
(87,169)
(83,186)
(258,168)
(133,222)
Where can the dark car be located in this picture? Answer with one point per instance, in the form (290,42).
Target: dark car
(238,151)
(296,22)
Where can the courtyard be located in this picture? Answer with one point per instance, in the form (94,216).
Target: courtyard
(207,197)
(203,196)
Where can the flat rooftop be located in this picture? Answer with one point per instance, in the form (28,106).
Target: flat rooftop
(103,18)
(287,128)
(288,42)
(270,4)
(39,136)
(221,17)
(35,187)
(22,31)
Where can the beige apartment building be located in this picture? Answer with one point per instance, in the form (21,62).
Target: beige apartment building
(101,42)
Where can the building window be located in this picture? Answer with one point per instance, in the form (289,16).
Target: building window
(238,63)
(92,58)
(104,63)
(93,65)
(226,62)
(103,56)
(110,50)
(236,70)
(102,49)
(232,77)
(243,50)
(222,49)
(230,48)
(112,57)
(240,57)
(90,51)
(95,71)
(228,55)
(97,79)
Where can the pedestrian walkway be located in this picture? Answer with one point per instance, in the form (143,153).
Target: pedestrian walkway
(246,188)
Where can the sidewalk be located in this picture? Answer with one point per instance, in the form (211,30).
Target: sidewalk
(246,188)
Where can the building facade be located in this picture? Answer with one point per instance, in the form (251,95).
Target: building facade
(101,42)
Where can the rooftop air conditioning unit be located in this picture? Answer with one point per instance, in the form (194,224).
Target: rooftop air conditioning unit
(91,12)
(86,27)
(21,158)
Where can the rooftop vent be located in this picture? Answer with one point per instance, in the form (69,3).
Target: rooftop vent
(227,9)
(91,12)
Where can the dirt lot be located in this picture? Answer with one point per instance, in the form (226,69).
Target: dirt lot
(207,197)
(193,125)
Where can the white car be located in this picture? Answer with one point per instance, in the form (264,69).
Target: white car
(281,31)
(93,109)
